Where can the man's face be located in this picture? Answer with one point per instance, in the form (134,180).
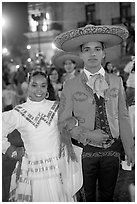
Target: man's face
(92,54)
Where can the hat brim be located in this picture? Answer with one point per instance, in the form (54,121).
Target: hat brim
(74,43)
(59,60)
(70,41)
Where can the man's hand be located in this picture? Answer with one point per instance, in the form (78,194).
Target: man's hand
(97,137)
(78,133)
(68,123)
(91,137)
(15,152)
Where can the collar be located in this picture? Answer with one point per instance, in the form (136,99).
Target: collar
(29,101)
(88,74)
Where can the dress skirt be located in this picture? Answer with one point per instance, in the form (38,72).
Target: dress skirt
(43,177)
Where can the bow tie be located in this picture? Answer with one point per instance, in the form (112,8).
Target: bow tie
(98,83)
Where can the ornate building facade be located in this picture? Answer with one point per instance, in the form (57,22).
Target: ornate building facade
(48,19)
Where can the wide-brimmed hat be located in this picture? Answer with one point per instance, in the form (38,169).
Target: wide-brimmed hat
(60,57)
(110,35)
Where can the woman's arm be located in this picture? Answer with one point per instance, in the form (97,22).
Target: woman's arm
(10,121)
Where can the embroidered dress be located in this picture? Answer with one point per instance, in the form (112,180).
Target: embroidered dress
(41,176)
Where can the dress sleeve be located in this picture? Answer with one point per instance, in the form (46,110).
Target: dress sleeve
(10,121)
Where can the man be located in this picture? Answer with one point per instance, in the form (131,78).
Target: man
(96,100)
(70,62)
(9,161)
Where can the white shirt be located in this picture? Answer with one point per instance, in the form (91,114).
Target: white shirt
(88,74)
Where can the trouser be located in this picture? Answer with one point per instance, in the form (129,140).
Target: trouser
(100,172)
(8,107)
(132,118)
(5,188)
(8,166)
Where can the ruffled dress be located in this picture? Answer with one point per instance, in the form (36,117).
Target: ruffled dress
(41,176)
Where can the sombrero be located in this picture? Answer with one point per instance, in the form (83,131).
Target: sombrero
(110,35)
(60,57)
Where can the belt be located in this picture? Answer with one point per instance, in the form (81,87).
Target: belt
(105,145)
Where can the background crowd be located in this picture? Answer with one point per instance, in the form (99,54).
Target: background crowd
(14,84)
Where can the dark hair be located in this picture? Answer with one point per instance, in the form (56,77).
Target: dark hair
(106,68)
(103,46)
(107,65)
(50,88)
(35,73)
(51,70)
(71,61)
(50,73)
(133,69)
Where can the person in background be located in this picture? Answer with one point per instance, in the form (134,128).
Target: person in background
(130,97)
(68,61)
(127,70)
(111,69)
(24,88)
(19,77)
(9,163)
(42,174)
(54,85)
(94,104)
(9,97)
(108,67)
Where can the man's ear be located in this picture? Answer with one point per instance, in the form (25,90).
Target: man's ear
(104,54)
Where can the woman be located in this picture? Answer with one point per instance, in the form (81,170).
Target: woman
(42,176)
(108,67)
(54,86)
(130,97)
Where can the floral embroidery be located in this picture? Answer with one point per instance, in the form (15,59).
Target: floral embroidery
(114,92)
(100,154)
(80,96)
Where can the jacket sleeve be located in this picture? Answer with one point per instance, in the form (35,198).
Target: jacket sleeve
(124,121)
(66,121)
(10,121)
(66,103)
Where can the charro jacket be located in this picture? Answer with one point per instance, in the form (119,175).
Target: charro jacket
(78,100)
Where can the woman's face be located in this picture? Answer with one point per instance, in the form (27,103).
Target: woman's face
(109,67)
(54,76)
(69,66)
(37,88)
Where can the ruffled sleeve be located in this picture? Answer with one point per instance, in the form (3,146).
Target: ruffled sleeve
(10,121)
